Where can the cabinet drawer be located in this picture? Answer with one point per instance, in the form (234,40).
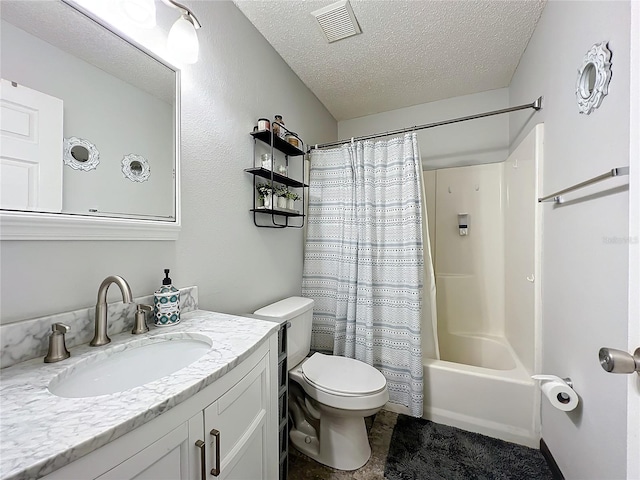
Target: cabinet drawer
(239,412)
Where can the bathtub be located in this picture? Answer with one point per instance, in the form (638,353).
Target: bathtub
(480,385)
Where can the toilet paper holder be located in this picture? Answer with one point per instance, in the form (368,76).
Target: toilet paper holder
(542,378)
(559,391)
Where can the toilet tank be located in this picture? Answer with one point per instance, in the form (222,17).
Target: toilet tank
(298,311)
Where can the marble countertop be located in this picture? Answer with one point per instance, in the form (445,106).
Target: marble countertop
(41,432)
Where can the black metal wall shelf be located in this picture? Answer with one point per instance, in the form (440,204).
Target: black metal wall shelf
(277,211)
(264,173)
(280,218)
(278,143)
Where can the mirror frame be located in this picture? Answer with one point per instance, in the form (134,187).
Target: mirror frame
(92,161)
(18,225)
(128,172)
(596,60)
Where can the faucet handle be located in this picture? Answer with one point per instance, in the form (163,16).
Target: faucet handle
(140,319)
(60,327)
(57,348)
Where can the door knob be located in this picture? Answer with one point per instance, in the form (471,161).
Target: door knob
(618,361)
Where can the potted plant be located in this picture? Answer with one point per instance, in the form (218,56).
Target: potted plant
(291,197)
(281,192)
(265,193)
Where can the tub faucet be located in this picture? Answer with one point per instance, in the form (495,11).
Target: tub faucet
(101,337)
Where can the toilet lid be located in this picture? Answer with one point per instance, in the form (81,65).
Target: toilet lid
(343,375)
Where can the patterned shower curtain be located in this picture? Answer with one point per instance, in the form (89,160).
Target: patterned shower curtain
(364,262)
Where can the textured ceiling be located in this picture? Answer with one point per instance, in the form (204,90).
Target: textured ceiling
(410,52)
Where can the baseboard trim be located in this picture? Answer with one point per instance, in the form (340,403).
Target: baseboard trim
(553,466)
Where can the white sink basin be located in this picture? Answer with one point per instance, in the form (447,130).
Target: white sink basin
(117,369)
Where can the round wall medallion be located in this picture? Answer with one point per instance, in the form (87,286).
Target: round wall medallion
(593,78)
(135,168)
(80,154)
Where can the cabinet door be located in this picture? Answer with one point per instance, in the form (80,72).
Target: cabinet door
(173,456)
(237,428)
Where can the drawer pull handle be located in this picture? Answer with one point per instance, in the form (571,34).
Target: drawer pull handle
(203,459)
(215,471)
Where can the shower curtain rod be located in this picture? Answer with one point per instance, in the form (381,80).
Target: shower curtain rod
(537,105)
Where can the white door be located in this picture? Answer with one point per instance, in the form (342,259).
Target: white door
(30,149)
(633,394)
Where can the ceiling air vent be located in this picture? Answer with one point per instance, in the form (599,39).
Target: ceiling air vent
(337,21)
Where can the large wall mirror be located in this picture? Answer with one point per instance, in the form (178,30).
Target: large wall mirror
(78,102)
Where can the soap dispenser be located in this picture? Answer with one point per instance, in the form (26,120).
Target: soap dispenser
(166,303)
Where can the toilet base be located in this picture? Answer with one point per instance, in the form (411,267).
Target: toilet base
(343,442)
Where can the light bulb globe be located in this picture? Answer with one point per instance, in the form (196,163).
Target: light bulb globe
(182,42)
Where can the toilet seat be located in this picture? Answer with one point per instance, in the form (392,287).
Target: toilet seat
(342,376)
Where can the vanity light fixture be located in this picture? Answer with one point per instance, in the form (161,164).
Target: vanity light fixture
(182,42)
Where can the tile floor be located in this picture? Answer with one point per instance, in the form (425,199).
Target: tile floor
(380,428)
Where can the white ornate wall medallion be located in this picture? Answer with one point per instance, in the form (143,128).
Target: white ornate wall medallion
(593,78)
(135,168)
(80,154)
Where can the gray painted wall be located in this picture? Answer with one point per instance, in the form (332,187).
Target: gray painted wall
(468,143)
(237,266)
(584,270)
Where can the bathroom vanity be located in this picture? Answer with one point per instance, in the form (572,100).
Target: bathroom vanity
(214,418)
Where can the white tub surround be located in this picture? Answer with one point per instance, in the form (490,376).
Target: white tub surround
(489,296)
(499,402)
(42,432)
(23,341)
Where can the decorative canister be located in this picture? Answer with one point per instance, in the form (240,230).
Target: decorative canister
(166,303)
(266,160)
(293,140)
(263,124)
(278,123)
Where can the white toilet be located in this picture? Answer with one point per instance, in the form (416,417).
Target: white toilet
(329,396)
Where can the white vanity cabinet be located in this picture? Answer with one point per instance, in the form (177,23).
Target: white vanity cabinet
(228,430)
(168,457)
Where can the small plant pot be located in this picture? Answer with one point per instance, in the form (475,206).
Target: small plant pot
(266,202)
(290,203)
(282,202)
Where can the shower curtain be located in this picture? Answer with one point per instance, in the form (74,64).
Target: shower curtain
(364,259)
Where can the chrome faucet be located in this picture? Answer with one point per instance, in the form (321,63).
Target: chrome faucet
(101,337)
